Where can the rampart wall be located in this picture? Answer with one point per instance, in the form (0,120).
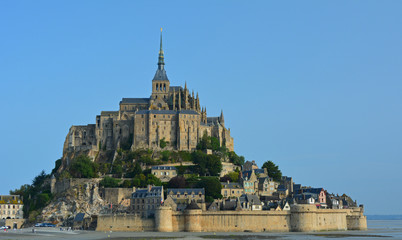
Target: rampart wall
(125,223)
(301,218)
(65,184)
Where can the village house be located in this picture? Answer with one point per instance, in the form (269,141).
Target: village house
(318,194)
(250,202)
(249,166)
(11,207)
(249,182)
(231,190)
(182,197)
(164,173)
(144,201)
(266,187)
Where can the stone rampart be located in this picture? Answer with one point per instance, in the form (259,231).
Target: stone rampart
(124,223)
(301,218)
(65,184)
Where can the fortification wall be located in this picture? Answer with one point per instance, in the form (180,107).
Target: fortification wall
(301,218)
(65,184)
(124,223)
(239,221)
(116,195)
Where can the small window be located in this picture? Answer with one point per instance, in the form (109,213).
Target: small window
(154,116)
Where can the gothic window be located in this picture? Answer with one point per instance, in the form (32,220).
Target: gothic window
(156,87)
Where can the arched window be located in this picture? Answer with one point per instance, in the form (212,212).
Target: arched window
(156,86)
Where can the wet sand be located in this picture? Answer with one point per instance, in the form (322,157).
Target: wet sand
(54,233)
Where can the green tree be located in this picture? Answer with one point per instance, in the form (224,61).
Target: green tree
(165,156)
(152,180)
(234,176)
(135,171)
(235,159)
(57,165)
(206,164)
(39,180)
(83,167)
(117,168)
(42,200)
(212,188)
(126,184)
(215,145)
(162,143)
(177,182)
(273,170)
(109,182)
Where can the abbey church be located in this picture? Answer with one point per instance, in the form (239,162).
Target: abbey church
(171,116)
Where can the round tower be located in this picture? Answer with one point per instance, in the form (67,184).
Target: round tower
(163,219)
(303,218)
(193,218)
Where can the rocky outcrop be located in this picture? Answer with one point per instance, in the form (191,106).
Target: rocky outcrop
(81,197)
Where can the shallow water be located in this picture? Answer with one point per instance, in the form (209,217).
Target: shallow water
(377,229)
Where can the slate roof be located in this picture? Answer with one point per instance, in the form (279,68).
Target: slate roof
(312,190)
(192,205)
(163,168)
(160,75)
(231,185)
(229,205)
(135,100)
(175,88)
(261,180)
(167,112)
(254,199)
(282,188)
(256,171)
(143,192)
(103,113)
(186,190)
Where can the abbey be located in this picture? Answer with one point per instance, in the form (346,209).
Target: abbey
(171,117)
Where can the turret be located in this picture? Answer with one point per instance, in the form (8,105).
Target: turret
(222,119)
(179,100)
(174,100)
(193,101)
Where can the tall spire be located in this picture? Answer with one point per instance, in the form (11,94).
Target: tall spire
(160,72)
(161,61)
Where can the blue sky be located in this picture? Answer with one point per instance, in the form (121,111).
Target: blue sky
(315,86)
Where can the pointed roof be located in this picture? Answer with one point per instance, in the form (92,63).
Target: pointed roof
(160,72)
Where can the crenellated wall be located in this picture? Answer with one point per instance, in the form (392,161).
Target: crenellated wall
(301,218)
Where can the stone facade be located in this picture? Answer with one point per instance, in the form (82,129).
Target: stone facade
(266,186)
(11,207)
(182,197)
(231,190)
(164,173)
(144,201)
(171,118)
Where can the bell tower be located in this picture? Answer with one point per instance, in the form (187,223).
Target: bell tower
(160,83)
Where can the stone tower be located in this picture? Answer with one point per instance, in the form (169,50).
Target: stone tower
(160,83)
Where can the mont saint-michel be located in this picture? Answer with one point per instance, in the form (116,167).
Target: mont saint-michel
(171,115)
(161,164)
